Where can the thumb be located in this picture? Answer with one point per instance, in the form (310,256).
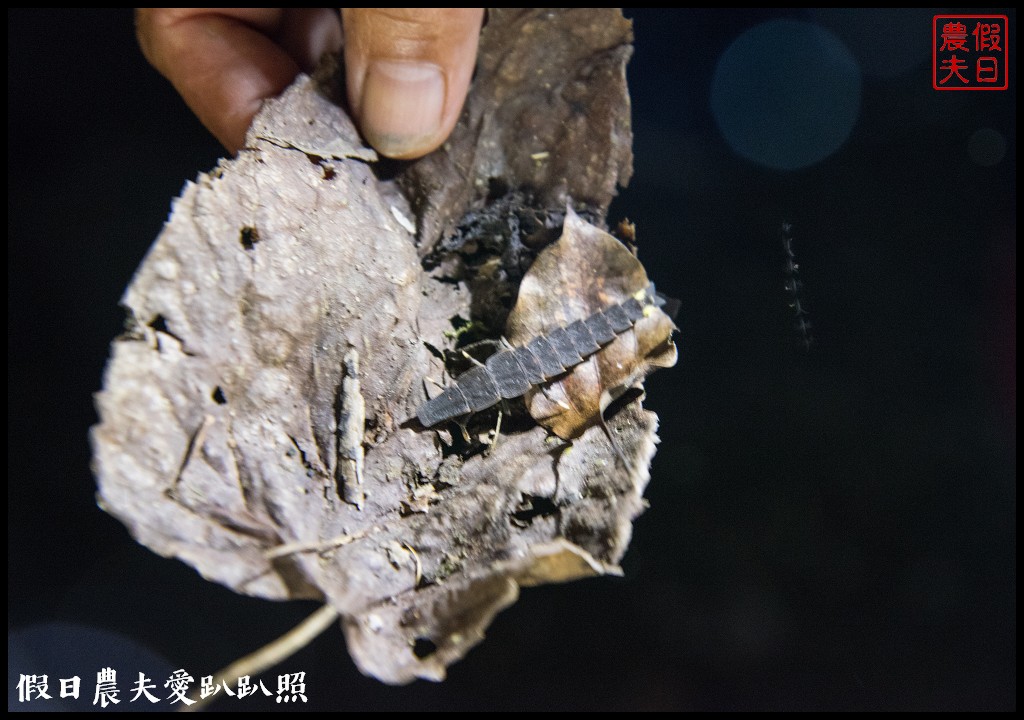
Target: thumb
(408,72)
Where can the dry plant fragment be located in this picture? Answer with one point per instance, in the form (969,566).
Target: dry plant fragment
(229,434)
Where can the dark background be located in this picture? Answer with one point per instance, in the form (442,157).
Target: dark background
(829,529)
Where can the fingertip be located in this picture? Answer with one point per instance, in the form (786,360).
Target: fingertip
(403,106)
(223,64)
(408,73)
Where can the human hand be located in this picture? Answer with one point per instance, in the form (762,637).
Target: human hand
(407,69)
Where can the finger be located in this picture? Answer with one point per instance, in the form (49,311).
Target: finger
(408,71)
(224,63)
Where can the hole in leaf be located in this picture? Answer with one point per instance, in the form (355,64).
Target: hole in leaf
(424,647)
(249,237)
(160,326)
(159,323)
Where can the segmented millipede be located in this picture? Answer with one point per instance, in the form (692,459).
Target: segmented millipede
(793,288)
(512,372)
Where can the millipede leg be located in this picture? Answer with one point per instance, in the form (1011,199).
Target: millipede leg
(497,432)
(560,403)
(434,382)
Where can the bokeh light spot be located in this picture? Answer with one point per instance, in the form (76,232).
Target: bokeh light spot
(986,147)
(786,94)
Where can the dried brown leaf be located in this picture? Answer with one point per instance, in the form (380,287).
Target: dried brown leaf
(228,420)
